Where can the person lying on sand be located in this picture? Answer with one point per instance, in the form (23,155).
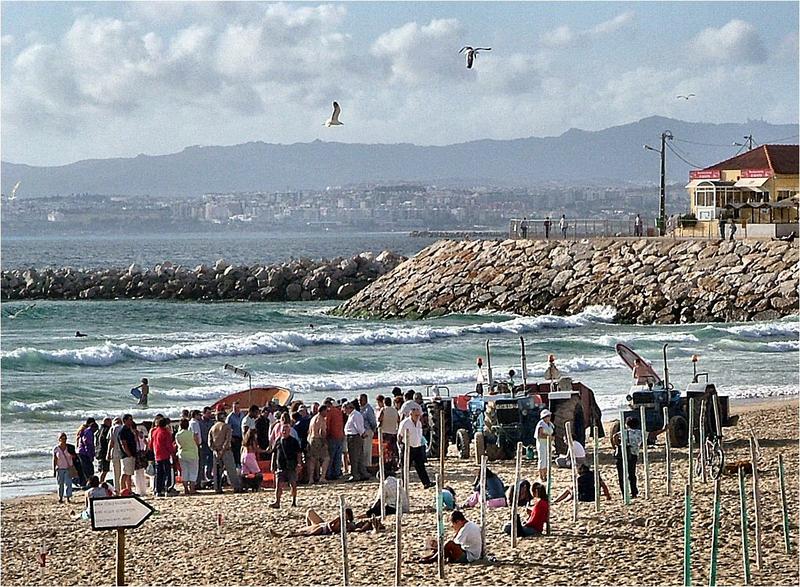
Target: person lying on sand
(465,547)
(316,526)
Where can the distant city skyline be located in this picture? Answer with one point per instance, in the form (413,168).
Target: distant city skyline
(97,80)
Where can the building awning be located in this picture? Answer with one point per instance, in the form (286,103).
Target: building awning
(751,183)
(694,183)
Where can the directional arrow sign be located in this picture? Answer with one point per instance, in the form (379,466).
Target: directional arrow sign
(114,513)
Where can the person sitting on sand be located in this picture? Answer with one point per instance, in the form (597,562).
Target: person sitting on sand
(495,491)
(564,462)
(537,515)
(251,472)
(465,547)
(316,526)
(585,487)
(525,493)
(389,497)
(95,489)
(448,498)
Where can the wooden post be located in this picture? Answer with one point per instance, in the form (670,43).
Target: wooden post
(398,537)
(442,442)
(120,556)
(702,424)
(667,447)
(687,535)
(691,441)
(756,499)
(712,574)
(623,437)
(343,534)
(439,527)
(784,509)
(381,472)
(515,496)
(484,462)
(549,477)
(596,457)
(744,523)
(406,461)
(573,469)
(643,421)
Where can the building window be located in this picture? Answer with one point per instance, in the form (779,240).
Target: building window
(785,194)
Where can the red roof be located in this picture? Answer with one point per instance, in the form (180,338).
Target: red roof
(782,159)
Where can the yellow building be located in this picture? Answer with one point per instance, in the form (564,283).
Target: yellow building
(758,189)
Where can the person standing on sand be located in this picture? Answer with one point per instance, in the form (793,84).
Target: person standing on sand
(219,441)
(318,447)
(62,463)
(370,427)
(206,473)
(234,420)
(116,453)
(389,419)
(103,444)
(634,444)
(127,443)
(284,463)
(413,426)
(144,387)
(544,430)
(85,444)
(355,430)
(262,429)
(334,424)
(163,448)
(251,472)
(188,456)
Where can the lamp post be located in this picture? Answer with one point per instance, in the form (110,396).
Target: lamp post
(662,204)
(750,142)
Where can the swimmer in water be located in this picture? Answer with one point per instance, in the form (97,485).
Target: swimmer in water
(79,334)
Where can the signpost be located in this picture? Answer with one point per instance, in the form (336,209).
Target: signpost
(119,513)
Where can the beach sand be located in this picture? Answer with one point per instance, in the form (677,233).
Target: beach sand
(637,545)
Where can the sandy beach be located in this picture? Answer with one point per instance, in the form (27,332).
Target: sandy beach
(637,545)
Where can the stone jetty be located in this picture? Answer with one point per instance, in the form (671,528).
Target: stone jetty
(660,281)
(302,279)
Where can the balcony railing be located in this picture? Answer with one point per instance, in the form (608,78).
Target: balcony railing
(579,228)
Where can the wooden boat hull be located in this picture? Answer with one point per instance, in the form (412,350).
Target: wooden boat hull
(259,396)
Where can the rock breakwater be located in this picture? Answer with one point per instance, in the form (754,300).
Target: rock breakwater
(302,279)
(646,280)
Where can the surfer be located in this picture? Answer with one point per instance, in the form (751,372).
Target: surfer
(79,334)
(141,392)
(12,316)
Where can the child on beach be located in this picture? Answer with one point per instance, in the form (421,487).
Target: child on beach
(537,515)
(544,430)
(62,464)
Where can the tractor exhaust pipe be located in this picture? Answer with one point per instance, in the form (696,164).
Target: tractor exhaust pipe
(666,367)
(524,361)
(489,366)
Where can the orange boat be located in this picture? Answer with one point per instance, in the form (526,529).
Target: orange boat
(259,396)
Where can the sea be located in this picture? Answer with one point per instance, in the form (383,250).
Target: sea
(52,381)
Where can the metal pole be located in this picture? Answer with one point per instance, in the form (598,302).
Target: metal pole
(549,476)
(524,361)
(744,523)
(573,468)
(756,500)
(398,533)
(343,535)
(712,575)
(691,441)
(120,556)
(484,462)
(596,457)
(439,527)
(489,366)
(784,509)
(381,472)
(687,535)
(626,489)
(702,424)
(662,201)
(406,460)
(644,453)
(515,496)
(667,447)
(442,441)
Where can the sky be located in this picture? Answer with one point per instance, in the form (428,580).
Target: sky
(87,80)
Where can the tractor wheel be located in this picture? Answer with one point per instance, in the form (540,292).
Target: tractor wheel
(678,431)
(613,432)
(462,443)
(480,447)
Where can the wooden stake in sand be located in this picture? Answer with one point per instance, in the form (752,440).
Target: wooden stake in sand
(623,438)
(712,574)
(687,535)
(667,453)
(120,556)
(398,535)
(574,469)
(549,477)
(442,441)
(484,462)
(515,496)
(784,509)
(643,422)
(702,424)
(756,499)
(381,472)
(343,534)
(406,460)
(596,457)
(744,523)
(691,441)
(439,527)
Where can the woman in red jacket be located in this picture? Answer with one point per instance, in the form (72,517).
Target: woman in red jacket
(163,447)
(537,515)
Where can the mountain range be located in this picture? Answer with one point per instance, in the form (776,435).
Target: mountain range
(613,156)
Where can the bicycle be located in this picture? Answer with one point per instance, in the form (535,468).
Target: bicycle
(712,456)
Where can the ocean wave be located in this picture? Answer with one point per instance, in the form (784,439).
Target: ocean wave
(609,340)
(776,346)
(22,407)
(26,453)
(263,343)
(11,478)
(766,329)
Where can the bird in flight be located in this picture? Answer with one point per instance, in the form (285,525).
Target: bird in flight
(334,119)
(472,53)
(684,96)
(11,316)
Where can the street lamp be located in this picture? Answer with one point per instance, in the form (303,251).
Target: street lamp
(750,141)
(662,204)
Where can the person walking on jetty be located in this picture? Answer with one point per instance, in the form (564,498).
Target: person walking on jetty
(334,424)
(637,226)
(547,224)
(234,420)
(284,463)
(733,228)
(634,442)
(523,227)
(465,547)
(62,466)
(563,225)
(544,430)
(413,427)
(219,441)
(355,431)
(721,228)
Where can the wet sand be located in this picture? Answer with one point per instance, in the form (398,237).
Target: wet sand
(637,545)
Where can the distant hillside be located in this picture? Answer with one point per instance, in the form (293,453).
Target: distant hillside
(611,155)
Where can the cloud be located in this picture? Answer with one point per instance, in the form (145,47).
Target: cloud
(563,36)
(735,42)
(7,40)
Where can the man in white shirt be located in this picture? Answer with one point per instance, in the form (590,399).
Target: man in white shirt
(370,426)
(564,462)
(249,420)
(389,497)
(354,431)
(465,547)
(411,427)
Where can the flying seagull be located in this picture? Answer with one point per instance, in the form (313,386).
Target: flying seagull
(334,119)
(472,53)
(684,97)
(11,316)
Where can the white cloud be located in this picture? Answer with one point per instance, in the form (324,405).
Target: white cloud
(564,36)
(735,42)
(7,40)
